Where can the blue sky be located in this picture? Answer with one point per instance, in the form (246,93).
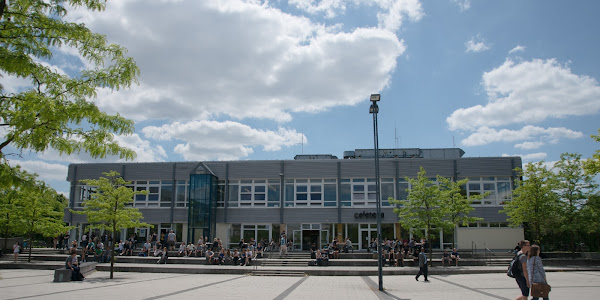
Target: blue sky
(248,80)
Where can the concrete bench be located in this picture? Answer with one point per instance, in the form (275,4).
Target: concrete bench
(64,275)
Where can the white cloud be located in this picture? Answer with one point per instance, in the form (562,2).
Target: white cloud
(390,17)
(463,5)
(529,91)
(476,44)
(145,150)
(517,48)
(530,157)
(328,7)
(46,171)
(13,84)
(243,59)
(529,145)
(485,135)
(210,140)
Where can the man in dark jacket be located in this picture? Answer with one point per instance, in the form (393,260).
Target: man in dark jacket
(422,265)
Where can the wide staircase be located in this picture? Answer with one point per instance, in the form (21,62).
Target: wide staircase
(278,265)
(273,264)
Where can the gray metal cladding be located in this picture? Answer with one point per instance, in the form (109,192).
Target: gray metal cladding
(251,169)
(156,215)
(310,215)
(249,215)
(179,215)
(360,168)
(489,213)
(183,170)
(218,168)
(433,167)
(158,171)
(93,171)
(325,168)
(487,166)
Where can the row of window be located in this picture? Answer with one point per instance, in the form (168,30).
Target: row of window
(355,192)
(158,193)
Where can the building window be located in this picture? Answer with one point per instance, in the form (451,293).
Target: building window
(181,193)
(234,193)
(498,188)
(254,193)
(346,192)
(329,192)
(289,192)
(221,193)
(387,190)
(166,193)
(274,192)
(313,192)
(364,192)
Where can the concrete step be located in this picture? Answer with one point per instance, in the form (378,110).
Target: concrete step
(284,263)
(278,273)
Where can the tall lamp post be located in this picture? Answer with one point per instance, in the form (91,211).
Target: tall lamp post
(374,109)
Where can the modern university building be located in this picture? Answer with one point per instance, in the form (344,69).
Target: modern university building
(313,198)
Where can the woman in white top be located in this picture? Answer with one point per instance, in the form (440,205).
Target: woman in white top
(535,268)
(16,250)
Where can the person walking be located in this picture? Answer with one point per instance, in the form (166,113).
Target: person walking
(283,245)
(522,277)
(16,250)
(535,268)
(422,265)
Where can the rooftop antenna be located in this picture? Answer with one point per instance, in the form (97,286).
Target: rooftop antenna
(302,135)
(453,144)
(395,136)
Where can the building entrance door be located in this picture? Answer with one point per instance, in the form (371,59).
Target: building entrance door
(366,235)
(310,237)
(324,238)
(297,240)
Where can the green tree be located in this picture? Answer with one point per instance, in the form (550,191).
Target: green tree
(56,111)
(11,194)
(457,204)
(591,214)
(534,201)
(592,165)
(43,211)
(30,208)
(423,207)
(574,188)
(110,207)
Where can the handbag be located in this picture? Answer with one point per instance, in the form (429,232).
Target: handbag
(540,290)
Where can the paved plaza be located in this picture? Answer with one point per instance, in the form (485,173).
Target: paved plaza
(37,284)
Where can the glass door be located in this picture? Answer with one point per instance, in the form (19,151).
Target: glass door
(366,235)
(297,235)
(324,238)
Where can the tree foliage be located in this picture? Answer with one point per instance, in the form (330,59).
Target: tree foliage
(56,110)
(457,204)
(574,189)
(535,201)
(433,205)
(31,208)
(110,207)
(592,165)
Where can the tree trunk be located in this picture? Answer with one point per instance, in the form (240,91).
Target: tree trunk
(30,246)
(112,253)
(6,232)
(2,8)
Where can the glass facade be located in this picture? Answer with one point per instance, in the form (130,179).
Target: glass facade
(202,206)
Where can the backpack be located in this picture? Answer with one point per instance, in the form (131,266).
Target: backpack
(514,269)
